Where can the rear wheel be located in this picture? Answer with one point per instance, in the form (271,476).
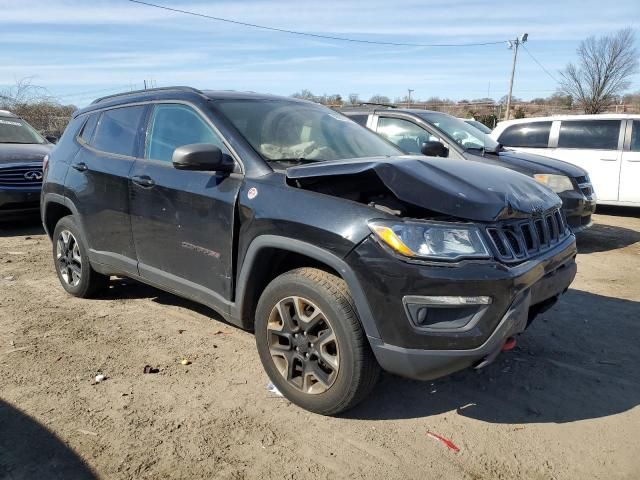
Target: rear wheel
(311,343)
(72,262)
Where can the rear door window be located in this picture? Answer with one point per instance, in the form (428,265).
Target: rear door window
(117,130)
(174,125)
(527,135)
(589,134)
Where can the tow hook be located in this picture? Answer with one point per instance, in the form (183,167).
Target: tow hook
(509,344)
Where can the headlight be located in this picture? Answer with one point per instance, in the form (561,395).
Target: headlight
(557,183)
(431,240)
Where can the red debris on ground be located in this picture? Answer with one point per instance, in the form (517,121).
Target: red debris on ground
(448,443)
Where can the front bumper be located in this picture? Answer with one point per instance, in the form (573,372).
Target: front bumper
(16,201)
(578,209)
(518,293)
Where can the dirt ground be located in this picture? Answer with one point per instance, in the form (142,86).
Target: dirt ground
(562,405)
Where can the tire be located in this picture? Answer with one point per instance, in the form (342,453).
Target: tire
(311,343)
(72,261)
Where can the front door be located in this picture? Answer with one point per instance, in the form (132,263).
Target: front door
(183,221)
(630,169)
(595,146)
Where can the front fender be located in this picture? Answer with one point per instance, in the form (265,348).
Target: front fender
(297,246)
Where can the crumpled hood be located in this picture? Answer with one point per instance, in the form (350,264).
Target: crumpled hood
(21,153)
(459,188)
(540,164)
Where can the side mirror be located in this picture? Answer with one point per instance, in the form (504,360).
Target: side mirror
(51,138)
(434,149)
(203,157)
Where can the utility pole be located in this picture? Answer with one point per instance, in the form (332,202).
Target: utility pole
(513,45)
(409,97)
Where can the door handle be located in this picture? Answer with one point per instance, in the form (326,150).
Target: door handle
(608,159)
(143,180)
(81,167)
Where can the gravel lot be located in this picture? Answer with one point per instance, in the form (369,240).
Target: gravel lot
(563,404)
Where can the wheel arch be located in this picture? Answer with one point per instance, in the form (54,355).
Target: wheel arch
(283,254)
(55,207)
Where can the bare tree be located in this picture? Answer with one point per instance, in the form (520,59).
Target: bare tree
(379,99)
(22,92)
(354,99)
(37,106)
(305,94)
(604,67)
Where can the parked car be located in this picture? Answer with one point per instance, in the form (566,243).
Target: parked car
(342,254)
(479,125)
(441,135)
(607,146)
(22,150)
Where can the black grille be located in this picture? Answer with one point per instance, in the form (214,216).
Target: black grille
(582,179)
(22,176)
(518,240)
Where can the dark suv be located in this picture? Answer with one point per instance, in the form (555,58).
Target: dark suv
(438,134)
(342,254)
(22,151)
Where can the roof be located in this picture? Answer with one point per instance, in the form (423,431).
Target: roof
(176,93)
(376,109)
(599,116)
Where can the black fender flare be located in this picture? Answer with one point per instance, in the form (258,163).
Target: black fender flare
(312,251)
(50,198)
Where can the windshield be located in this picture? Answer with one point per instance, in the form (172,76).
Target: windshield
(470,138)
(15,130)
(287,130)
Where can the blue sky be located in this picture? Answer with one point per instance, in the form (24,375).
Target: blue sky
(79,50)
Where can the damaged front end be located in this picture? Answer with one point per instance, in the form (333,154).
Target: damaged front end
(450,210)
(419,187)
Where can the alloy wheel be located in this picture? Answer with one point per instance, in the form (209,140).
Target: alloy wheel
(69,258)
(303,345)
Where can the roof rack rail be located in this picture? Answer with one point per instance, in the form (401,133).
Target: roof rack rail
(133,92)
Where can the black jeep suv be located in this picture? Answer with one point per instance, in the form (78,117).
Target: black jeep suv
(22,151)
(341,253)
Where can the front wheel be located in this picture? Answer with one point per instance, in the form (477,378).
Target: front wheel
(311,343)
(72,262)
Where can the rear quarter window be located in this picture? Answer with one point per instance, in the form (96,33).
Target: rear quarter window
(531,135)
(89,128)
(589,134)
(635,136)
(359,119)
(117,130)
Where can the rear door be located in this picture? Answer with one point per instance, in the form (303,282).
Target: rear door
(98,183)
(596,146)
(183,221)
(630,167)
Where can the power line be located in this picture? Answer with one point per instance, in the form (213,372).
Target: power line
(315,35)
(540,65)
